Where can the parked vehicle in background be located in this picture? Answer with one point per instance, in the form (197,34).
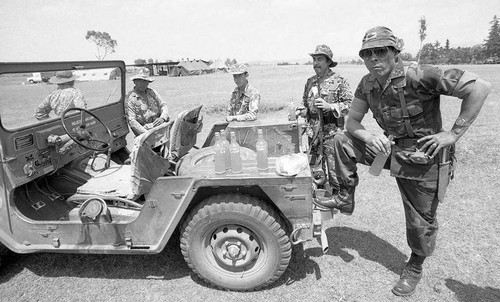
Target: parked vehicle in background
(38,77)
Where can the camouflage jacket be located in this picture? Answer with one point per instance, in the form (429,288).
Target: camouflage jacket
(140,112)
(244,105)
(60,100)
(335,90)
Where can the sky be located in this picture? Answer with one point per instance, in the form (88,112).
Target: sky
(248,31)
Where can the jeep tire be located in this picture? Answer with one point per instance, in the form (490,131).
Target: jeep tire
(235,242)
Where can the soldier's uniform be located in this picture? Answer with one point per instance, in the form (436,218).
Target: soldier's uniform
(417,178)
(335,90)
(244,104)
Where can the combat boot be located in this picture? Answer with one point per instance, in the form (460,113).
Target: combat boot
(407,282)
(343,201)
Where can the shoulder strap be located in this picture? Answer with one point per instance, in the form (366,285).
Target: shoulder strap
(401,94)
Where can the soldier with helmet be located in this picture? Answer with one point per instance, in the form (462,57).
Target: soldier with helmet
(326,100)
(245,99)
(405,103)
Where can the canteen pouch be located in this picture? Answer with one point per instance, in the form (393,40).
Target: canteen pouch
(408,162)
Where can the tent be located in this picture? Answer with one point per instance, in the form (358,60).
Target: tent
(219,66)
(178,71)
(196,67)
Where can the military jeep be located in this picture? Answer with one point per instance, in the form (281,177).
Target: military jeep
(70,184)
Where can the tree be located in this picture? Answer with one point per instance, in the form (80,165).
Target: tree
(492,44)
(139,62)
(150,61)
(105,45)
(406,56)
(422,33)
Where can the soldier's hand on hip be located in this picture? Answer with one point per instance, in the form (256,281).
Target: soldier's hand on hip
(434,143)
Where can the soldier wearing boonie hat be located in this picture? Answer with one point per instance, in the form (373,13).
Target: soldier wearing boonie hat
(419,152)
(64,97)
(245,99)
(144,107)
(326,100)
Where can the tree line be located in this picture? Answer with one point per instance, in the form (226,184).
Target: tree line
(436,53)
(429,53)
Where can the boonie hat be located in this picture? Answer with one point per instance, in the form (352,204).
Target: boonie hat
(324,50)
(142,73)
(238,69)
(64,76)
(381,36)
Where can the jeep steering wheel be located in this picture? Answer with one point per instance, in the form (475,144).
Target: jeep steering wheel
(81,135)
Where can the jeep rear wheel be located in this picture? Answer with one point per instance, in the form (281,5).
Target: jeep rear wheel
(235,242)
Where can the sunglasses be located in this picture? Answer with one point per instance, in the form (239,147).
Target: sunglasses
(380,52)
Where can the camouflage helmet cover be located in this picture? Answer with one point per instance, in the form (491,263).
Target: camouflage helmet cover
(381,36)
(324,50)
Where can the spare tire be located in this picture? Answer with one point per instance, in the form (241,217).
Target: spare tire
(187,165)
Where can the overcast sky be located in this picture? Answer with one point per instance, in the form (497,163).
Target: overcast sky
(52,30)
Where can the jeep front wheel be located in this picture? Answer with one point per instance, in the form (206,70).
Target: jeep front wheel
(235,242)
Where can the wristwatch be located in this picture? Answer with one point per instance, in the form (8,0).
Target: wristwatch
(462,122)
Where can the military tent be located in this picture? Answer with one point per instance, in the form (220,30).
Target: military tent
(195,67)
(219,66)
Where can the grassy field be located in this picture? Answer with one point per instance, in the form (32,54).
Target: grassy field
(367,249)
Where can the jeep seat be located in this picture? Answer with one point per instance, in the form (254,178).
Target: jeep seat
(136,179)
(174,138)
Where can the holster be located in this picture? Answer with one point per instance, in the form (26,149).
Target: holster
(446,158)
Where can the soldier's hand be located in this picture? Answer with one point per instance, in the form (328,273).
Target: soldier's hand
(381,143)
(434,143)
(158,121)
(231,118)
(322,104)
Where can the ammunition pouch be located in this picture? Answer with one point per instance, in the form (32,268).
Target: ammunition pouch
(408,151)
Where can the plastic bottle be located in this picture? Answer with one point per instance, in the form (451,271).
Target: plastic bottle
(261,147)
(220,166)
(380,160)
(227,155)
(378,163)
(291,112)
(234,149)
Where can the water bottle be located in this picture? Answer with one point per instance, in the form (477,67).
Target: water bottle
(378,163)
(380,160)
(291,112)
(227,154)
(261,147)
(219,161)
(234,149)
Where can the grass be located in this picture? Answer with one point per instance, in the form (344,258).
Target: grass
(367,249)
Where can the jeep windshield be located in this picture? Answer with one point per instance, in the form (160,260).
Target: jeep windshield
(24,102)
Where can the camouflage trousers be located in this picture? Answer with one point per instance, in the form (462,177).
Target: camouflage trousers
(419,197)
(328,164)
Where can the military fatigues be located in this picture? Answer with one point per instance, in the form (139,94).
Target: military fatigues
(417,182)
(244,104)
(140,112)
(335,90)
(60,100)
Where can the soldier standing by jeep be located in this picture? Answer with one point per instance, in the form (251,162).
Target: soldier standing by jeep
(405,103)
(245,99)
(326,100)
